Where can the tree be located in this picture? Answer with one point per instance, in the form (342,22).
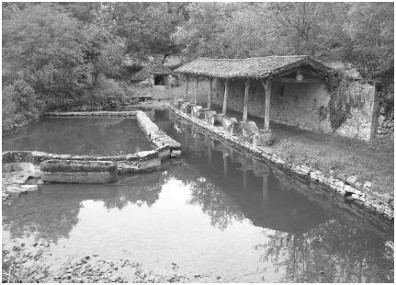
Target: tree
(371,34)
(146,27)
(310,28)
(55,53)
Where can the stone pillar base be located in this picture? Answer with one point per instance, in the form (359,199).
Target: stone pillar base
(263,138)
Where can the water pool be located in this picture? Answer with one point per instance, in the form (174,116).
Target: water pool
(215,216)
(90,136)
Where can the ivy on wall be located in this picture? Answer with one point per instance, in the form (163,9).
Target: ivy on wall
(339,107)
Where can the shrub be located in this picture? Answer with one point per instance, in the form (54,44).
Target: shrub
(20,104)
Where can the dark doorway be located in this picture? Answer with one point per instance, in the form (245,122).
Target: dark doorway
(159,80)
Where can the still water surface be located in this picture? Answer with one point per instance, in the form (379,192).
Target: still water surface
(90,136)
(215,213)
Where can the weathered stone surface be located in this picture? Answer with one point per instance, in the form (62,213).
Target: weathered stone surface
(164,152)
(156,136)
(79,177)
(249,128)
(132,157)
(72,171)
(186,107)
(147,155)
(128,167)
(176,153)
(92,113)
(301,170)
(56,165)
(17,156)
(263,138)
(228,124)
(146,124)
(150,164)
(210,116)
(195,110)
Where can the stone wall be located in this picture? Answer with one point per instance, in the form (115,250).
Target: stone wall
(361,124)
(304,105)
(385,125)
(385,114)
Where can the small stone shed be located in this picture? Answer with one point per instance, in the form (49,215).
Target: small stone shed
(158,76)
(282,89)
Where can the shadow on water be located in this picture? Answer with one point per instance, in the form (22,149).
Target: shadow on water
(280,228)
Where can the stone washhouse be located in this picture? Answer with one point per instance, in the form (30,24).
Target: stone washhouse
(289,90)
(156,76)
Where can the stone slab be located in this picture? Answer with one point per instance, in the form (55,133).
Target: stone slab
(79,177)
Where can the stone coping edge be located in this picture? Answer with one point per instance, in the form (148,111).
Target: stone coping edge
(156,136)
(91,113)
(140,162)
(375,202)
(153,133)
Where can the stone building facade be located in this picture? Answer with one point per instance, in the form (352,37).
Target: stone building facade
(304,105)
(289,90)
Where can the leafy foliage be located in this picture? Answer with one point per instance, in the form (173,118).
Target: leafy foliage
(339,104)
(57,57)
(370,27)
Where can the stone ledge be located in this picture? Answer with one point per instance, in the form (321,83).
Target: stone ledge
(91,113)
(338,186)
(157,137)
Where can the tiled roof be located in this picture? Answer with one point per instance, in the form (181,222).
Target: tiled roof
(158,69)
(257,67)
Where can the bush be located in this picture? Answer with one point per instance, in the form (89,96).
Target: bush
(20,105)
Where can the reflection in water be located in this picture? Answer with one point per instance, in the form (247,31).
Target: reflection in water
(91,136)
(216,213)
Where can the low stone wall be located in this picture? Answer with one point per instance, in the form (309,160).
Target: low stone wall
(92,114)
(355,192)
(139,162)
(385,124)
(157,137)
(75,171)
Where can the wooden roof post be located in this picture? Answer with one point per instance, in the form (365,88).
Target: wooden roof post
(267,88)
(246,100)
(196,93)
(225,97)
(210,92)
(186,87)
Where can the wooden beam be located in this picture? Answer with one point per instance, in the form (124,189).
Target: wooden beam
(267,88)
(225,97)
(210,93)
(187,88)
(246,100)
(292,80)
(196,93)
